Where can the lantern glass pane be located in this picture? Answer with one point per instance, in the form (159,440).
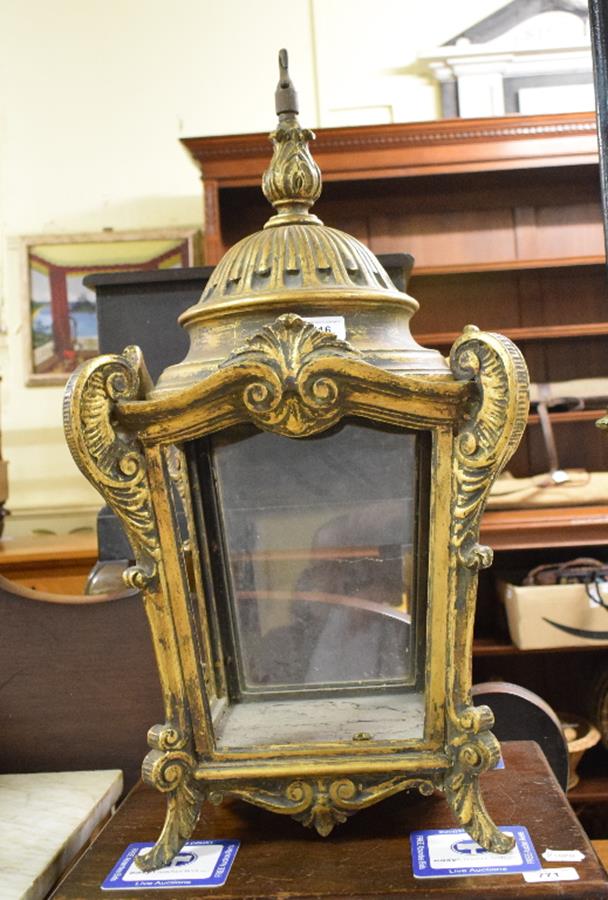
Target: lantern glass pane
(323,543)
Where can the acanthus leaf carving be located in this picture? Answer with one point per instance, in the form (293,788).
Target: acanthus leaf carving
(112,460)
(322,803)
(289,396)
(490,430)
(171,771)
(292,176)
(471,757)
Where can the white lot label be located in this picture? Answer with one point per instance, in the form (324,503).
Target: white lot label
(331,324)
(568,873)
(562,855)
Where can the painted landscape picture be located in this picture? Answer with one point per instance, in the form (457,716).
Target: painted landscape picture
(62,310)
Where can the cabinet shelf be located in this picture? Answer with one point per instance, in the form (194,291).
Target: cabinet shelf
(574,415)
(590,789)
(490,646)
(564,526)
(521,334)
(509,265)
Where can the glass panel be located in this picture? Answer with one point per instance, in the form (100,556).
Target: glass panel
(319,538)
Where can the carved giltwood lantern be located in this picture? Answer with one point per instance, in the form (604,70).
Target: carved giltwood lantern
(313,617)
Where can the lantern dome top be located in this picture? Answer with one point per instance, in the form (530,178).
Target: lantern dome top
(298,265)
(294,249)
(296,255)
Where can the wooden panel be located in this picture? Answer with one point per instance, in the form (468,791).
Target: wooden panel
(80,687)
(445,238)
(567,230)
(579,445)
(560,298)
(453,301)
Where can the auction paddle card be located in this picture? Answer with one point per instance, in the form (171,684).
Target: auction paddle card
(450,852)
(198,864)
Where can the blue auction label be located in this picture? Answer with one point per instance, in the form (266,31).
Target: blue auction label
(450,852)
(198,864)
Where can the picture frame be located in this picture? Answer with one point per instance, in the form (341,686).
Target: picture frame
(60,312)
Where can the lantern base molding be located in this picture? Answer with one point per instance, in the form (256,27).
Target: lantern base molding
(323,799)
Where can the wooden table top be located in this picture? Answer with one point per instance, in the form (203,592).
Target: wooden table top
(48,547)
(367,857)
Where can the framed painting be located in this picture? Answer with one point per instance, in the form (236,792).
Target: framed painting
(61,312)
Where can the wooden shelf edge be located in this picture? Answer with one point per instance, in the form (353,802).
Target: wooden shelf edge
(576,415)
(413,148)
(564,526)
(509,265)
(504,647)
(590,789)
(532,333)
(41,549)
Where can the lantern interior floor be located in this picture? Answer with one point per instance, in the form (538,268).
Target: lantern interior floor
(388,716)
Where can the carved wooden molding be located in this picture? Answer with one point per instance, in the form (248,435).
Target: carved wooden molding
(296,380)
(209,152)
(111,460)
(286,400)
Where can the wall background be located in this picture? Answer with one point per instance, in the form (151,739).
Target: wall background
(95,96)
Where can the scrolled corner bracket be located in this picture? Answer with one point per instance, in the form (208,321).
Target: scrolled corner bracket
(490,430)
(476,719)
(476,556)
(289,390)
(138,578)
(167,737)
(171,772)
(461,787)
(112,460)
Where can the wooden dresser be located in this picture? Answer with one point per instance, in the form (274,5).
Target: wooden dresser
(504,220)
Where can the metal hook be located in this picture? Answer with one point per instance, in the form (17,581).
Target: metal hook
(286,98)
(283,68)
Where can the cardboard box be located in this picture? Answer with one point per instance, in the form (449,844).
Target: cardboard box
(560,615)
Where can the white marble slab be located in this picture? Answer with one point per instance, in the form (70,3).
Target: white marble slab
(45,819)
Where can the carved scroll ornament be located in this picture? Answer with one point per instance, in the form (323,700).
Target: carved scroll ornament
(323,803)
(489,434)
(491,430)
(289,396)
(113,461)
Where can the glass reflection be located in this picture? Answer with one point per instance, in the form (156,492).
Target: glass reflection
(319,539)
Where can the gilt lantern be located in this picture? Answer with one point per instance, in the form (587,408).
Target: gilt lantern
(313,619)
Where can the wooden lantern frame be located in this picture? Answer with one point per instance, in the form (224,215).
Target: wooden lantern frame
(295,380)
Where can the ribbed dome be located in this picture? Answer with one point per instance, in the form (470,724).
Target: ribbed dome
(292,256)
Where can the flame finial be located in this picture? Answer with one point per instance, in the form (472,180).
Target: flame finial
(292,181)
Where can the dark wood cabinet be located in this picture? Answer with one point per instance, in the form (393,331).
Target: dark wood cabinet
(503,217)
